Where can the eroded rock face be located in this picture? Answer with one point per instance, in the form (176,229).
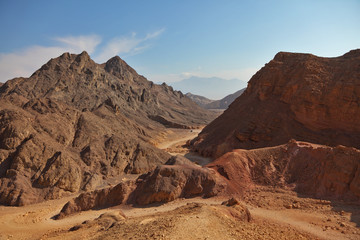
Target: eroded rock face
(316,170)
(180,179)
(294,96)
(44,156)
(102,198)
(75,124)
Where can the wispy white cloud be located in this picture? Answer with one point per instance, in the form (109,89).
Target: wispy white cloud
(118,46)
(23,63)
(154,34)
(80,43)
(130,45)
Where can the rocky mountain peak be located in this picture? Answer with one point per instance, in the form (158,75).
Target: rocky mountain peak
(66,55)
(77,62)
(119,68)
(83,57)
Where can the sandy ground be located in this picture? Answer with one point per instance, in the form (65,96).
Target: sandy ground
(313,219)
(174,141)
(276,214)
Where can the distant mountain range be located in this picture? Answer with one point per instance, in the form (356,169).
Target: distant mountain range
(215,104)
(212,88)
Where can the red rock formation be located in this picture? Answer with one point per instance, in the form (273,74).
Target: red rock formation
(102,198)
(294,96)
(316,170)
(176,179)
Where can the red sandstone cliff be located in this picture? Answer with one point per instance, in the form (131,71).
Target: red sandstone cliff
(294,96)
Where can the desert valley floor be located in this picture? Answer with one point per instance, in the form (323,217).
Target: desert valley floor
(262,213)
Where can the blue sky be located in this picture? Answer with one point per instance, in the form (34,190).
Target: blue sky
(173,40)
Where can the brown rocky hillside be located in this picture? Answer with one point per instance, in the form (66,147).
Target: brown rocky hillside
(78,125)
(294,96)
(314,170)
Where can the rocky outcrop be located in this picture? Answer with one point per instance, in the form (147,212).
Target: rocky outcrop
(77,125)
(180,179)
(105,222)
(316,170)
(294,96)
(102,198)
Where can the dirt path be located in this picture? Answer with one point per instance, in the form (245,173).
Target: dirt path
(174,142)
(298,220)
(176,136)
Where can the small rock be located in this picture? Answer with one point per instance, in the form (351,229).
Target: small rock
(231,202)
(296,205)
(75,228)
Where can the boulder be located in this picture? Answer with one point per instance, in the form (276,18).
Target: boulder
(182,179)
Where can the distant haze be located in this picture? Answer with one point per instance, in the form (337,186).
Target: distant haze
(212,88)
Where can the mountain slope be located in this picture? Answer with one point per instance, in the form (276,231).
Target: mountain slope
(215,104)
(199,100)
(74,78)
(298,96)
(77,125)
(224,102)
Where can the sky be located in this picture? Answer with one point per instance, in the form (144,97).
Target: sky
(168,41)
